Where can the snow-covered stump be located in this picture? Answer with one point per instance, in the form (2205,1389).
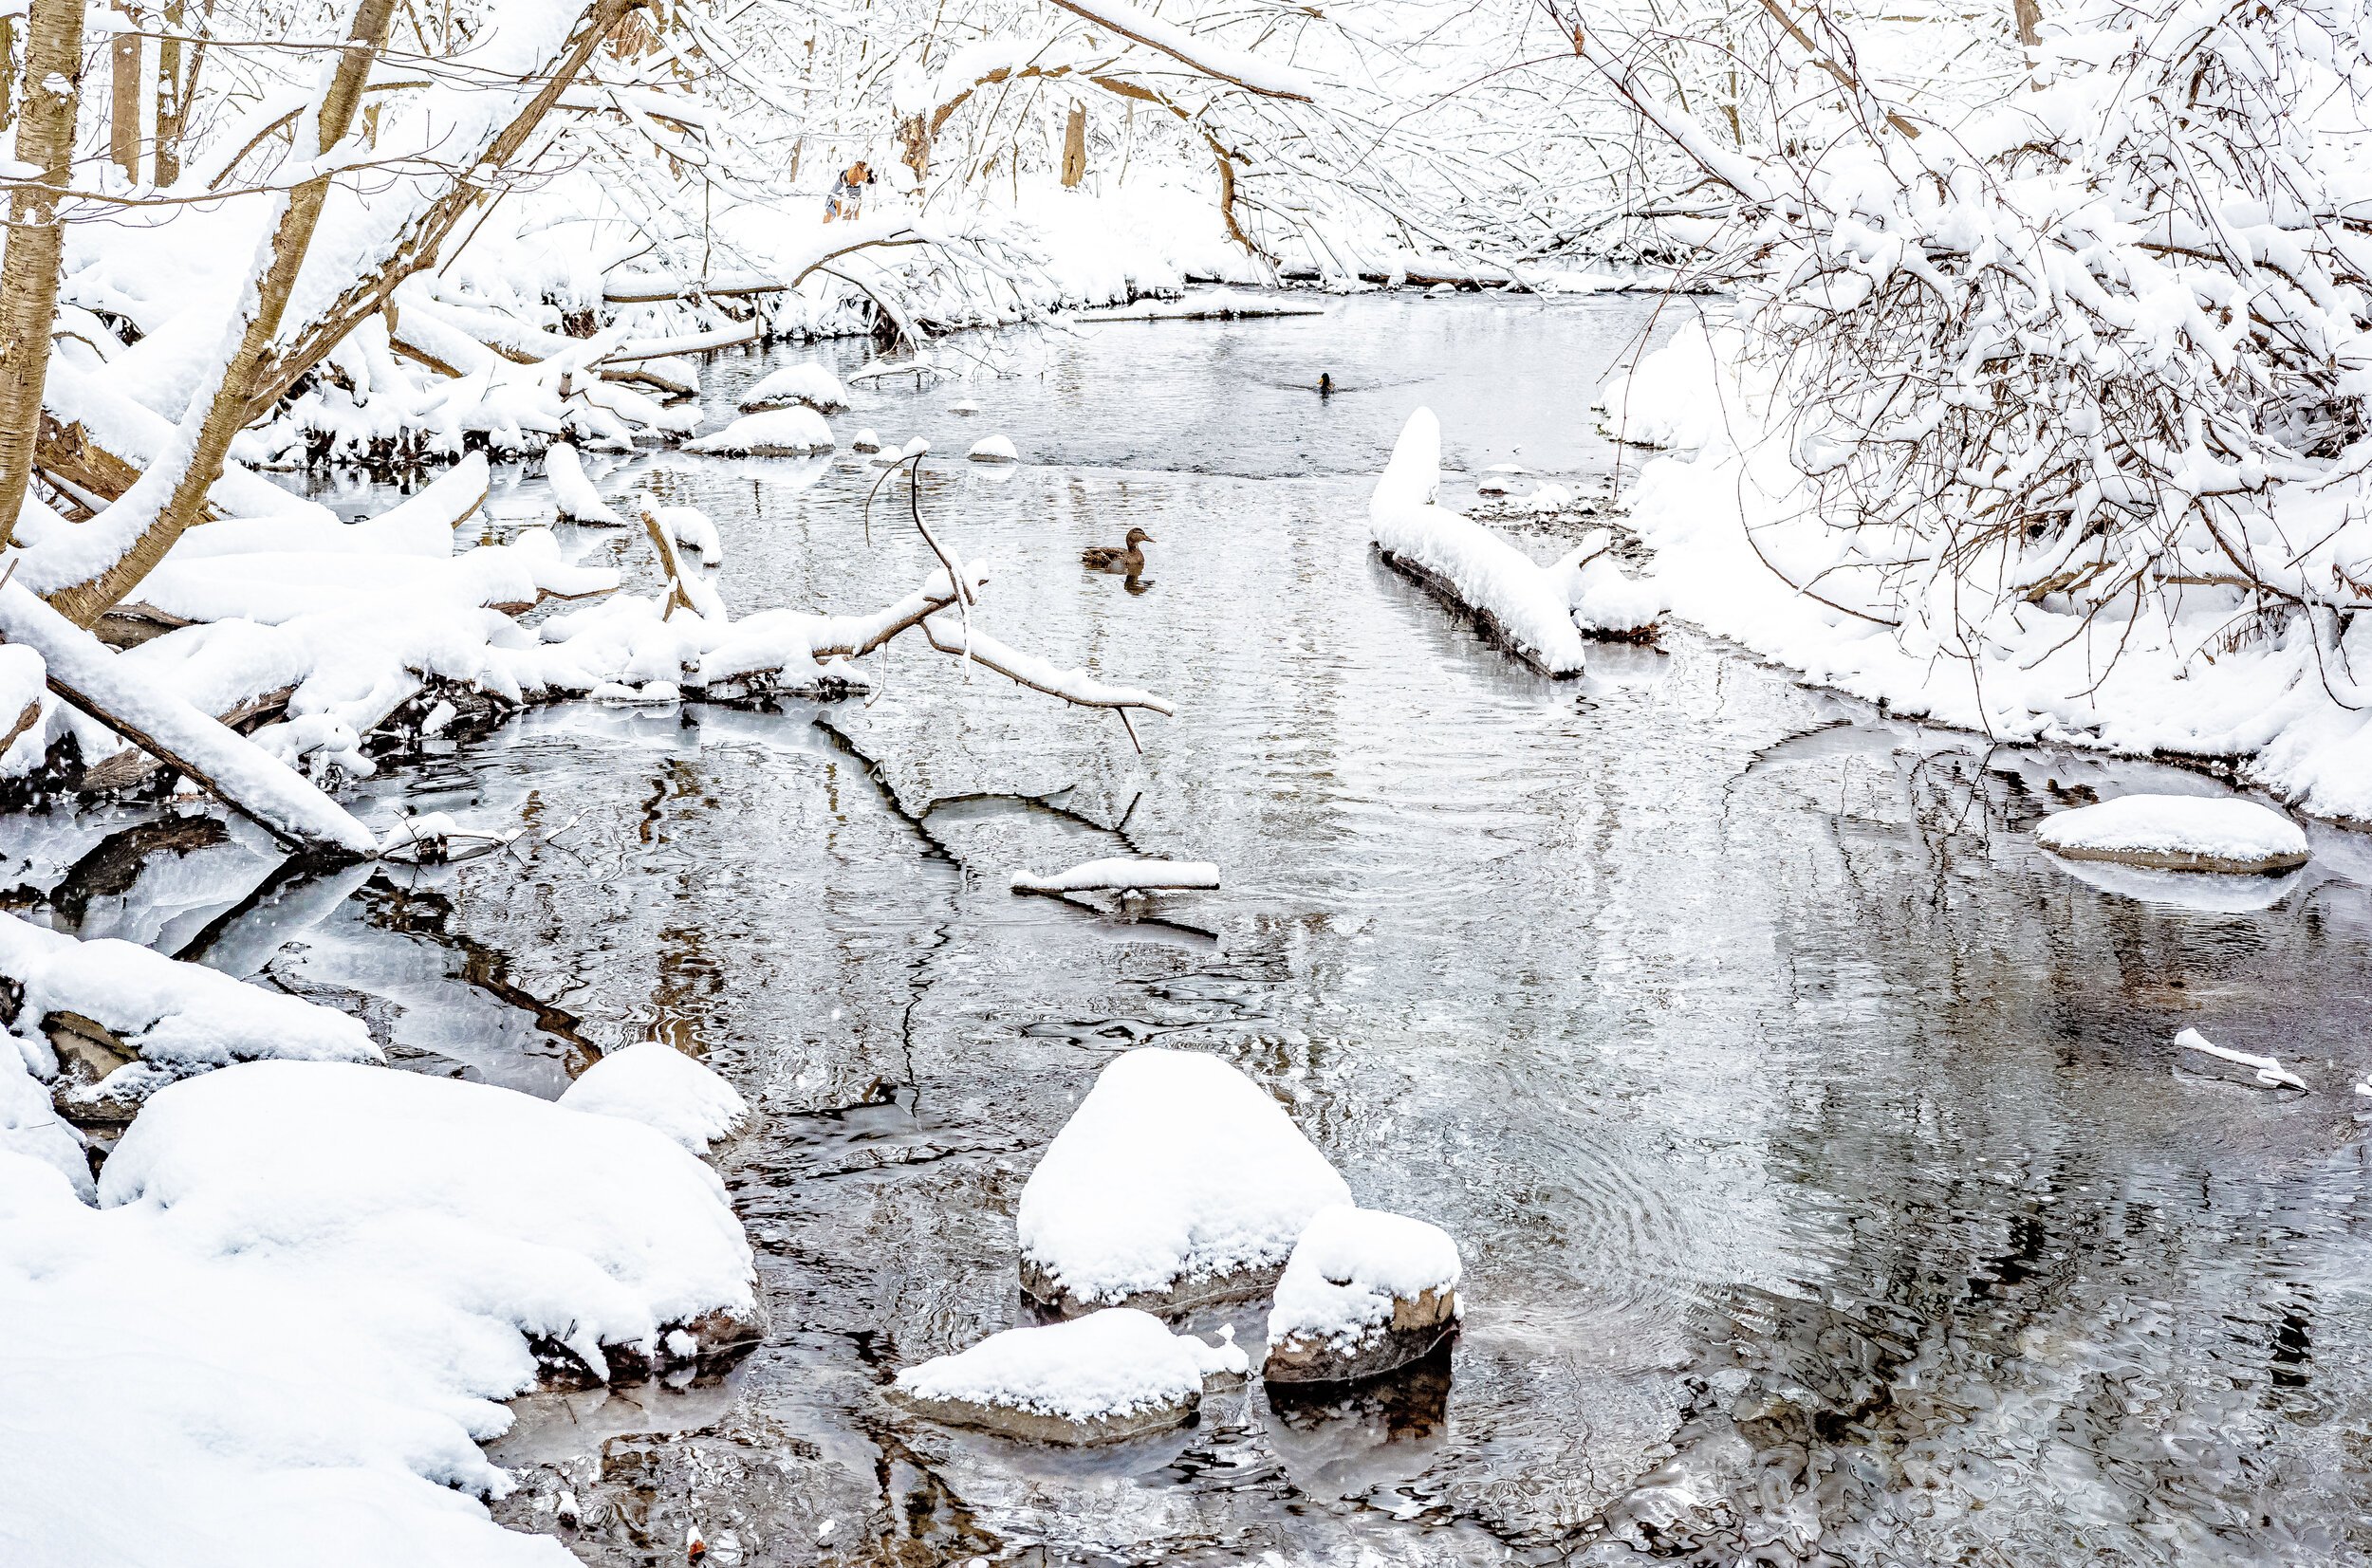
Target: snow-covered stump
(1178,1181)
(2179,833)
(1102,1378)
(1365,1293)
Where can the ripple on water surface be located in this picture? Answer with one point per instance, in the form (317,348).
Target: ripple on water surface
(1827,1185)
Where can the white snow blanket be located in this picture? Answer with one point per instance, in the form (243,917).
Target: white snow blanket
(1176,1169)
(306,1288)
(1112,1363)
(656,1084)
(776,432)
(1349,1266)
(2209,828)
(180,1018)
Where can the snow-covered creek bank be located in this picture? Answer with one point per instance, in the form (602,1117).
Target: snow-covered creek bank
(1826,1174)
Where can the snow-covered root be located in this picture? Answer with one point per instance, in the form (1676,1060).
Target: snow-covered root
(1541,614)
(95,679)
(110,1022)
(2263,1072)
(1121,873)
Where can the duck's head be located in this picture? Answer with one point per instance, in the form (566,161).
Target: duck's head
(1139,536)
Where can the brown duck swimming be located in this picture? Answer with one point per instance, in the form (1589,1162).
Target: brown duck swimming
(1129,562)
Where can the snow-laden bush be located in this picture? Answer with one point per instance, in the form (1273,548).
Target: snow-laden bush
(2098,350)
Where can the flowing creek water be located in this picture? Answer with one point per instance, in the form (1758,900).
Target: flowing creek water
(1829,1188)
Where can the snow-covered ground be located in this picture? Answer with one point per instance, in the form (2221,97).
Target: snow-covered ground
(304,1292)
(1739,551)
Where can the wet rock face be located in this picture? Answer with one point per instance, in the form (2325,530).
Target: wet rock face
(1419,1326)
(1183,1293)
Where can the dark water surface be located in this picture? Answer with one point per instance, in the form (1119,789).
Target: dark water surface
(1829,1187)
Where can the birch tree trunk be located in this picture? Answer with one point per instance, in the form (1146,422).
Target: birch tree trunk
(1075,146)
(84,602)
(28,276)
(123,99)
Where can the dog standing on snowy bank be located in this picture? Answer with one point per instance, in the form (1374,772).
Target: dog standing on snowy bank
(849,192)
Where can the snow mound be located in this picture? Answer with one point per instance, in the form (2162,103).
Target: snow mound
(177,1018)
(964,406)
(866,441)
(1364,1291)
(309,1287)
(589,1231)
(29,1126)
(776,433)
(1108,1374)
(1178,1179)
(572,492)
(660,1087)
(1121,873)
(994,449)
(1603,601)
(2178,833)
(811,384)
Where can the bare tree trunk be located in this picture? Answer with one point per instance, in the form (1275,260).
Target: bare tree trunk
(172,96)
(123,102)
(28,276)
(7,72)
(227,414)
(1075,146)
(2030,22)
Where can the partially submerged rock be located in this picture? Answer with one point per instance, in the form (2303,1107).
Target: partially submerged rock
(810,384)
(1365,1293)
(994,449)
(1099,1378)
(656,1084)
(1178,1180)
(2179,833)
(776,433)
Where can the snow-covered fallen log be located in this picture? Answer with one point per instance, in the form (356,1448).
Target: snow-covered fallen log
(579,501)
(1539,613)
(106,686)
(119,1022)
(1121,873)
(2265,1072)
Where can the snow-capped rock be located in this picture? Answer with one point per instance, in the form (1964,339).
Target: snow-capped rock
(656,1084)
(1365,1292)
(2178,833)
(776,433)
(1177,1180)
(1095,1379)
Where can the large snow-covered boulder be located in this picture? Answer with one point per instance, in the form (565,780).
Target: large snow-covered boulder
(1177,1180)
(656,1084)
(588,1233)
(776,433)
(2178,833)
(1365,1292)
(811,384)
(1094,1379)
